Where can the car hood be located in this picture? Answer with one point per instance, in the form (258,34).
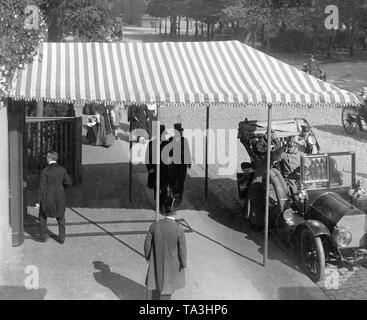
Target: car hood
(333,207)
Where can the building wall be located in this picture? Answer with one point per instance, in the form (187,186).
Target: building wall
(5,231)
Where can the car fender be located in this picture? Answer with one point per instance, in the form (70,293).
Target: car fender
(316,227)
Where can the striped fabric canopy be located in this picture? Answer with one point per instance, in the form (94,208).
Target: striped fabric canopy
(228,72)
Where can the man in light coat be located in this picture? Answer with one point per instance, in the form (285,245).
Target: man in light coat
(165,250)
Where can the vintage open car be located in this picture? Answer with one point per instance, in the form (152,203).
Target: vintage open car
(325,220)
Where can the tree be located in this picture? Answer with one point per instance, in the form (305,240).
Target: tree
(305,18)
(22,28)
(87,20)
(362,25)
(206,11)
(246,14)
(158,8)
(353,17)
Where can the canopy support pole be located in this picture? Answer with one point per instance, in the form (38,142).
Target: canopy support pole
(266,241)
(158,161)
(206,152)
(130,163)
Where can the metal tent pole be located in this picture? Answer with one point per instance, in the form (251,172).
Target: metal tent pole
(158,160)
(130,165)
(206,152)
(267,187)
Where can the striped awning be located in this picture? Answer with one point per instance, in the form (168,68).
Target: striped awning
(228,72)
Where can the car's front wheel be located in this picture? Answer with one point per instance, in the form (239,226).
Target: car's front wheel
(312,255)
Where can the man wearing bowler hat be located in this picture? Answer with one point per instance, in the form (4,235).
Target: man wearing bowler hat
(181,160)
(165,251)
(151,165)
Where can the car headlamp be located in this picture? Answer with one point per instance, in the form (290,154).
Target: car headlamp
(341,236)
(288,215)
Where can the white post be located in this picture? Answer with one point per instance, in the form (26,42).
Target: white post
(5,230)
(266,240)
(158,165)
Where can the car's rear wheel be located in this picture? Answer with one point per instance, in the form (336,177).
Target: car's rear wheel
(350,119)
(312,255)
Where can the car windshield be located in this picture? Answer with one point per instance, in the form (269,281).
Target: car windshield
(327,171)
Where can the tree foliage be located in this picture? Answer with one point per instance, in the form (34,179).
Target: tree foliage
(18,44)
(158,8)
(86,20)
(302,22)
(247,14)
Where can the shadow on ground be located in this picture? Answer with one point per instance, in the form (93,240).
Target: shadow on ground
(339,130)
(107,186)
(122,287)
(21,293)
(291,293)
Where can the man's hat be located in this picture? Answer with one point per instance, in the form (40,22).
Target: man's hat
(178,127)
(363,91)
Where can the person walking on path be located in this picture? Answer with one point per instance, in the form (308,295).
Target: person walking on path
(165,250)
(52,199)
(151,166)
(181,161)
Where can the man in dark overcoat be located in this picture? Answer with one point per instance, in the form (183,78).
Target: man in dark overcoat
(181,160)
(52,199)
(150,162)
(165,250)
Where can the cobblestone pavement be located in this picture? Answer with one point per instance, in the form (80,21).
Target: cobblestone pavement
(344,284)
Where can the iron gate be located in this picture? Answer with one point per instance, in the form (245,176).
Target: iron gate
(63,135)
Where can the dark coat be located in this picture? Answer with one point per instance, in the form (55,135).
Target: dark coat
(150,162)
(52,197)
(165,249)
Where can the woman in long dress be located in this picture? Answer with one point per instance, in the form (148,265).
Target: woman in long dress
(92,130)
(104,136)
(101,133)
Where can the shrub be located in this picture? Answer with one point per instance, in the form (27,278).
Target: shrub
(50,109)
(292,41)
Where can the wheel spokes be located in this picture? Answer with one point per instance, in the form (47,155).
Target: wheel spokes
(310,255)
(350,119)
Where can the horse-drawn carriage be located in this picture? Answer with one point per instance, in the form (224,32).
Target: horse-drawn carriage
(355,117)
(326,217)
